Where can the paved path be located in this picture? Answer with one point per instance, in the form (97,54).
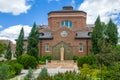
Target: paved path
(51,71)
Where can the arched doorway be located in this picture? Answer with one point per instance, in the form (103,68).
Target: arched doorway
(62,51)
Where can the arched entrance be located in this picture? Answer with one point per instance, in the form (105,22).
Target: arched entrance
(62,51)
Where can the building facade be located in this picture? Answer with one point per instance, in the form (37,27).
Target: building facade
(66,34)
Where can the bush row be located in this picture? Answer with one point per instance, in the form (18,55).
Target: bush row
(91,59)
(27,61)
(69,75)
(42,60)
(9,69)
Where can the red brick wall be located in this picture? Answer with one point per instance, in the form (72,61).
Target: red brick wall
(79,22)
(70,38)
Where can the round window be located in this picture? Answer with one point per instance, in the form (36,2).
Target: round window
(64,33)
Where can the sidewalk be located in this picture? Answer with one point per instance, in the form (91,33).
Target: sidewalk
(51,71)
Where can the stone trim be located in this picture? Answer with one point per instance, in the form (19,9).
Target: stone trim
(66,16)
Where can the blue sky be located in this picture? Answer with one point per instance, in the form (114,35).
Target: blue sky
(15,14)
(37,12)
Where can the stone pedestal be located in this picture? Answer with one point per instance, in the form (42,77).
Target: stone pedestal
(61,53)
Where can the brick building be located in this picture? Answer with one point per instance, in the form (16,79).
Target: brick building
(6,42)
(66,34)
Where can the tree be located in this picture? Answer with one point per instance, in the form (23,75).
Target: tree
(19,45)
(2,48)
(97,34)
(8,54)
(112,33)
(33,40)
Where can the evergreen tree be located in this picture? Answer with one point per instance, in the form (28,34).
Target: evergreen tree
(97,34)
(2,48)
(112,33)
(19,44)
(8,54)
(33,40)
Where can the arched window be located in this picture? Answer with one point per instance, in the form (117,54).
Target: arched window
(66,23)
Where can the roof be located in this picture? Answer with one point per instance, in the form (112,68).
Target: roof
(90,25)
(79,35)
(46,35)
(83,34)
(43,35)
(66,9)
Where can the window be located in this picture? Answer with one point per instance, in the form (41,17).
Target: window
(47,47)
(66,23)
(80,47)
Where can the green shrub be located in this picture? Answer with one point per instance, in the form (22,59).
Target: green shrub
(75,57)
(70,75)
(86,60)
(11,71)
(1,63)
(43,75)
(113,72)
(45,57)
(42,60)
(17,68)
(14,67)
(4,72)
(106,59)
(27,61)
(30,75)
(9,62)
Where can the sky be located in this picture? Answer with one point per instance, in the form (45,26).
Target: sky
(15,14)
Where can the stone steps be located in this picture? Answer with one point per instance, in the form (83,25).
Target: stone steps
(62,64)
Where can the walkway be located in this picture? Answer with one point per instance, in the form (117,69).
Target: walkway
(53,68)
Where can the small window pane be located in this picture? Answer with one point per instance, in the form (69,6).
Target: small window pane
(80,47)
(70,24)
(47,47)
(66,23)
(62,23)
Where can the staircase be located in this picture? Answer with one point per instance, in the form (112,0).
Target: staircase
(68,64)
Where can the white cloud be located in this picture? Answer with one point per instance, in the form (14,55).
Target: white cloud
(1,27)
(12,32)
(15,7)
(119,30)
(105,8)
